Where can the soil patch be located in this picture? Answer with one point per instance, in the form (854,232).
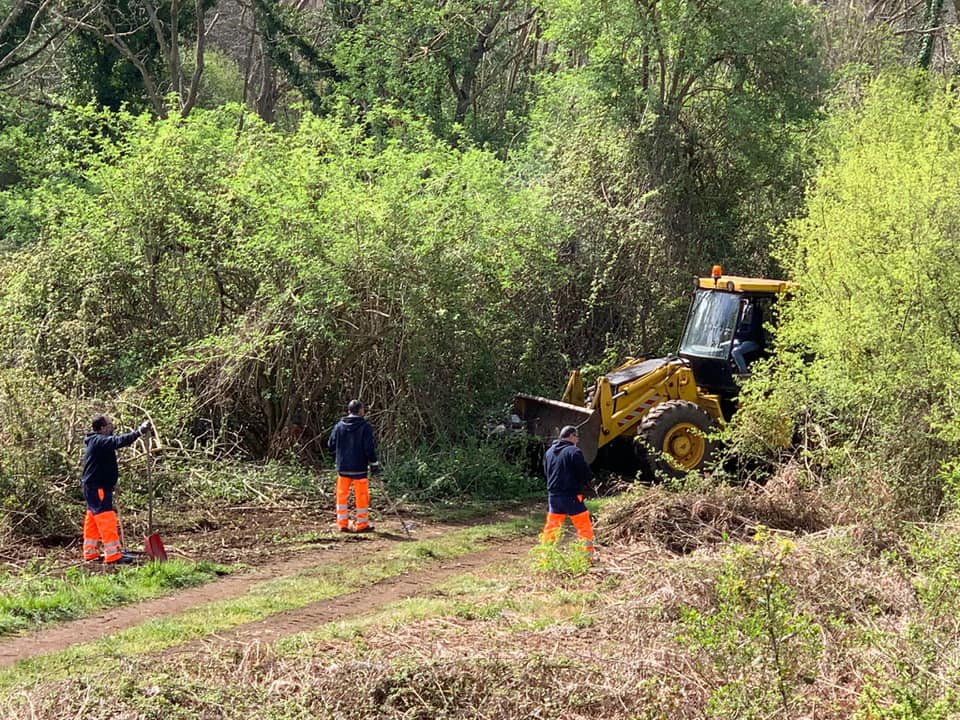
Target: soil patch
(353,604)
(272,544)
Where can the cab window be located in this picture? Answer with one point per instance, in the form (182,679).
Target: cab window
(710,324)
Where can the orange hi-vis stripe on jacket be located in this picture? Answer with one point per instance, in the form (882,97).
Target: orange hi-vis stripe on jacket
(361,496)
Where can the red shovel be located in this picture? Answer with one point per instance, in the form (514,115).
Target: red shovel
(152,543)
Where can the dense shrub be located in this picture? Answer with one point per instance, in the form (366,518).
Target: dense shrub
(273,276)
(39,455)
(669,138)
(870,354)
(491,470)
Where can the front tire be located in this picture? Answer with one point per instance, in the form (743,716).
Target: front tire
(674,438)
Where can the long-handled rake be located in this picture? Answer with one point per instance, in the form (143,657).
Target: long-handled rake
(392,506)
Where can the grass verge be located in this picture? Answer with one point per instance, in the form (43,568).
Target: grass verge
(32,599)
(263,600)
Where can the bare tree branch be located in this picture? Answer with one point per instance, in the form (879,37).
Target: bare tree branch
(166,51)
(63,27)
(202,32)
(8,60)
(149,84)
(13,15)
(169,38)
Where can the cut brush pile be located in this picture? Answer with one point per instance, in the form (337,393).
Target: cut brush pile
(683,522)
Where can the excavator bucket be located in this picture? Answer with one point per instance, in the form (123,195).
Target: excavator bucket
(545,418)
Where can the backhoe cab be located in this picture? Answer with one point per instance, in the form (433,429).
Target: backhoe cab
(668,406)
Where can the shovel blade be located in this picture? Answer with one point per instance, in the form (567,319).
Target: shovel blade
(153,546)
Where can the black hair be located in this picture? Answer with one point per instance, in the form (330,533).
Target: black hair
(568,430)
(99,422)
(354,407)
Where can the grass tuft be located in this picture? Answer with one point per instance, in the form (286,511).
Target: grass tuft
(39,597)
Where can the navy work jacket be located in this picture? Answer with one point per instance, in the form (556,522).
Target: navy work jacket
(566,469)
(100,458)
(352,441)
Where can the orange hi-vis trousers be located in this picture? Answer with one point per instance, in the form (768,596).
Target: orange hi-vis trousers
(101,527)
(361,497)
(559,509)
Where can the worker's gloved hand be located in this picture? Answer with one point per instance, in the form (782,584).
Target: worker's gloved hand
(145,427)
(375,468)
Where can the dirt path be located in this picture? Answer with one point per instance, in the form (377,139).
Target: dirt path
(115,620)
(354,604)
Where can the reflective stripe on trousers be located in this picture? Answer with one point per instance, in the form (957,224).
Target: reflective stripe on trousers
(101,527)
(361,496)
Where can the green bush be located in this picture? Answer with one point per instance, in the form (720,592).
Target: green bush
(452,475)
(271,276)
(868,347)
(754,647)
(561,559)
(39,456)
(918,680)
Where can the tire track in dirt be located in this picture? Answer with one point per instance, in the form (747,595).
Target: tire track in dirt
(355,604)
(114,620)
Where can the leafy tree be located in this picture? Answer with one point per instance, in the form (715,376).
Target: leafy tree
(222,81)
(273,274)
(401,270)
(670,137)
(286,44)
(31,31)
(122,51)
(134,49)
(99,73)
(863,37)
(47,151)
(458,63)
(468,67)
(870,354)
(124,278)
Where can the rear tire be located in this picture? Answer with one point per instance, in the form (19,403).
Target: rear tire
(673,439)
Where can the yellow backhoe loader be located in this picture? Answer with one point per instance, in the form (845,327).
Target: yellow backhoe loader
(668,406)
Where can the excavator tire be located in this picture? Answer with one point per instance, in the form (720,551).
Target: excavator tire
(674,438)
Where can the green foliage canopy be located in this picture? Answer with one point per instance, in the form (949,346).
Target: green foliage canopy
(670,139)
(467,66)
(276,275)
(871,343)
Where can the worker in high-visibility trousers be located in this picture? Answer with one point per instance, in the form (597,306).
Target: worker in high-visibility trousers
(100,475)
(355,450)
(568,478)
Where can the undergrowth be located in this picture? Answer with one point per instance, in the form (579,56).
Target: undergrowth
(567,560)
(477,470)
(740,620)
(753,621)
(774,625)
